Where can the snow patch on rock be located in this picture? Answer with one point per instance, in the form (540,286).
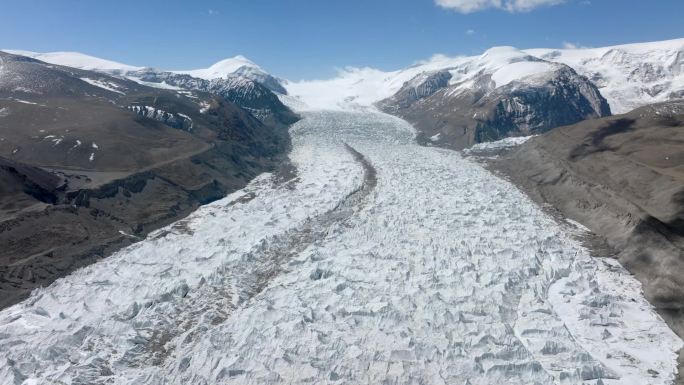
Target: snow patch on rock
(109,86)
(499,144)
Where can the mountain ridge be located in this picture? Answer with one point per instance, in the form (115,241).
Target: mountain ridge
(366,86)
(91,162)
(234,66)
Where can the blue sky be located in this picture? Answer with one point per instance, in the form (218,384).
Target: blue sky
(305,39)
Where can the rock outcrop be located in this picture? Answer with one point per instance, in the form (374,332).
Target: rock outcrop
(459,115)
(249,94)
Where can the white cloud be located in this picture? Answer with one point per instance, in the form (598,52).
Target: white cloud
(470,32)
(570,45)
(469,6)
(436,58)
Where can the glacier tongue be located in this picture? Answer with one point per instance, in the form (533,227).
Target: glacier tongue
(381,262)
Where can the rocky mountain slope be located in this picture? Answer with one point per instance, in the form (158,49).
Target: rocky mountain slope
(237,79)
(502,93)
(623,177)
(238,66)
(249,94)
(90,162)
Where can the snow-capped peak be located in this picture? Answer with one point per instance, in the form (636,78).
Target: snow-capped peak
(238,66)
(224,68)
(77,60)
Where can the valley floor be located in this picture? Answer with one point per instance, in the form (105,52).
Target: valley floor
(381,261)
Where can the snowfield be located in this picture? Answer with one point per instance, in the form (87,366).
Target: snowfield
(380,261)
(630,75)
(78,60)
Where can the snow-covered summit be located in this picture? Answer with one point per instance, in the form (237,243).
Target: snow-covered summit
(237,66)
(78,60)
(224,68)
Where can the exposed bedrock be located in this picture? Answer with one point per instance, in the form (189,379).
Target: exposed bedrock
(458,115)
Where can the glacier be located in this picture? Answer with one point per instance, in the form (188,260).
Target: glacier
(377,261)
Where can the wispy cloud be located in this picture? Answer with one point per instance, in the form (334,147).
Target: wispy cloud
(570,45)
(212,12)
(469,6)
(470,32)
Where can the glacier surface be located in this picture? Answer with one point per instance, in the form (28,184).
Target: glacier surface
(380,261)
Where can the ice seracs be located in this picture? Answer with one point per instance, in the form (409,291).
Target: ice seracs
(381,261)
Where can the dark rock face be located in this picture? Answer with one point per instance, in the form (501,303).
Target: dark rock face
(455,117)
(246,93)
(565,99)
(419,88)
(255,98)
(268,81)
(90,163)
